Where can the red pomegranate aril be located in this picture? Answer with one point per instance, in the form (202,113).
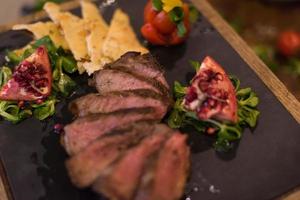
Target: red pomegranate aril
(212,102)
(210,130)
(218,94)
(41,82)
(191,95)
(58,128)
(203,86)
(21,104)
(39,101)
(31,80)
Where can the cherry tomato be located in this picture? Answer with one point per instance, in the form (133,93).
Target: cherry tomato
(149,12)
(163,23)
(159,29)
(152,35)
(175,39)
(289,43)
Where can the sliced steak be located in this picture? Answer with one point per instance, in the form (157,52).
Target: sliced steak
(113,101)
(85,129)
(109,80)
(85,167)
(144,65)
(122,180)
(170,173)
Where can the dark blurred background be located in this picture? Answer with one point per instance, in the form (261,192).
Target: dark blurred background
(270,27)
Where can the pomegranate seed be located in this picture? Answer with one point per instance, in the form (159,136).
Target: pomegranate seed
(225,95)
(203,86)
(191,95)
(218,94)
(58,128)
(212,102)
(21,104)
(210,131)
(39,101)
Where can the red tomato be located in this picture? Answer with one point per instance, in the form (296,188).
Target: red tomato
(175,39)
(289,43)
(152,35)
(159,28)
(149,12)
(163,23)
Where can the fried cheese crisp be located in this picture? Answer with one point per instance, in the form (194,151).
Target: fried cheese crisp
(120,38)
(42,29)
(97,30)
(74,31)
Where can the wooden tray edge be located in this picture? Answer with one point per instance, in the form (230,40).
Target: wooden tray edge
(265,74)
(288,100)
(5,192)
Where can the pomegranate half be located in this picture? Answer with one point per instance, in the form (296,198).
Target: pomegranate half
(31,79)
(211,94)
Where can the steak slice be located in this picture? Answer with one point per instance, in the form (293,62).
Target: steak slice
(166,181)
(109,80)
(85,129)
(113,101)
(122,180)
(87,165)
(144,65)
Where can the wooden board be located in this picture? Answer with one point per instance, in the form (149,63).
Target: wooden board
(241,48)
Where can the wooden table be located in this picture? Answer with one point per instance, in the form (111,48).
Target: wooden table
(277,87)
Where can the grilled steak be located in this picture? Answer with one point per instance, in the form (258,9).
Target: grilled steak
(116,145)
(122,180)
(170,173)
(143,65)
(109,80)
(85,129)
(113,101)
(87,165)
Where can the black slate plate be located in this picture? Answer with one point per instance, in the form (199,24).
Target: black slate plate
(264,165)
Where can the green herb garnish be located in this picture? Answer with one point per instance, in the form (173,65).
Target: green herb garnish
(176,15)
(181,30)
(45,109)
(62,63)
(157,4)
(5,75)
(10,111)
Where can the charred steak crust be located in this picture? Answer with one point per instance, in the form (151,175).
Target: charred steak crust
(150,80)
(109,80)
(85,129)
(86,166)
(133,56)
(118,100)
(145,65)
